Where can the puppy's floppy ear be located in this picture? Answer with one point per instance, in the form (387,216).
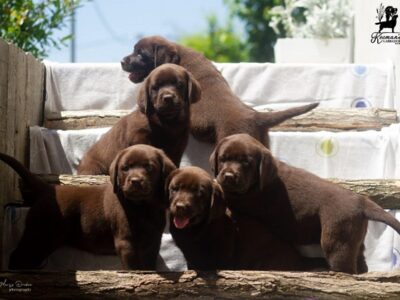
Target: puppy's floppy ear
(174,57)
(144,100)
(168,180)
(218,203)
(167,166)
(268,168)
(114,178)
(193,88)
(166,185)
(165,54)
(214,159)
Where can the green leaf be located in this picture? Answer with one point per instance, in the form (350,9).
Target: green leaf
(31,24)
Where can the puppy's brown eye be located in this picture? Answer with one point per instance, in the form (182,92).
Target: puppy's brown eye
(154,88)
(149,167)
(125,168)
(179,85)
(245,163)
(173,189)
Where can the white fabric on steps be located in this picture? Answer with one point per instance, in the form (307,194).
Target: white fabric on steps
(105,86)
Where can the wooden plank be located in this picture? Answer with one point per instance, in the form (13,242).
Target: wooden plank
(200,285)
(3,70)
(25,100)
(3,51)
(385,192)
(3,93)
(22,108)
(10,178)
(34,90)
(3,118)
(21,105)
(3,97)
(4,171)
(332,119)
(12,114)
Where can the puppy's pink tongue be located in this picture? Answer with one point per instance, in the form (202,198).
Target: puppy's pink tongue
(181,222)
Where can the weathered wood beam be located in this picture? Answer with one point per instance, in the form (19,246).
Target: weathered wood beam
(199,285)
(332,119)
(70,120)
(66,179)
(384,192)
(335,119)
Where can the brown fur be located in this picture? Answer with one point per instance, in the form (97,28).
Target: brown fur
(295,204)
(126,217)
(211,238)
(220,113)
(163,120)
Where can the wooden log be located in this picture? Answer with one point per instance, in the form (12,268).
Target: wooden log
(84,180)
(384,192)
(199,285)
(335,119)
(331,119)
(69,120)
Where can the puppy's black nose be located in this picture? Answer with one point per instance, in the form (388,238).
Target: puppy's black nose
(182,207)
(136,182)
(168,99)
(125,62)
(229,177)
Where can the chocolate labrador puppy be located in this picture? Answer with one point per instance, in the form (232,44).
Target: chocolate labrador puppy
(211,238)
(126,217)
(163,120)
(220,113)
(198,224)
(295,204)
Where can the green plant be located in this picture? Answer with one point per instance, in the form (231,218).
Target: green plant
(219,43)
(255,14)
(30,24)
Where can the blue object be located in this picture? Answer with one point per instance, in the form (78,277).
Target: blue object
(360,70)
(360,103)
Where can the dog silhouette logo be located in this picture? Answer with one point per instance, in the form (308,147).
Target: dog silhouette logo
(390,14)
(387,21)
